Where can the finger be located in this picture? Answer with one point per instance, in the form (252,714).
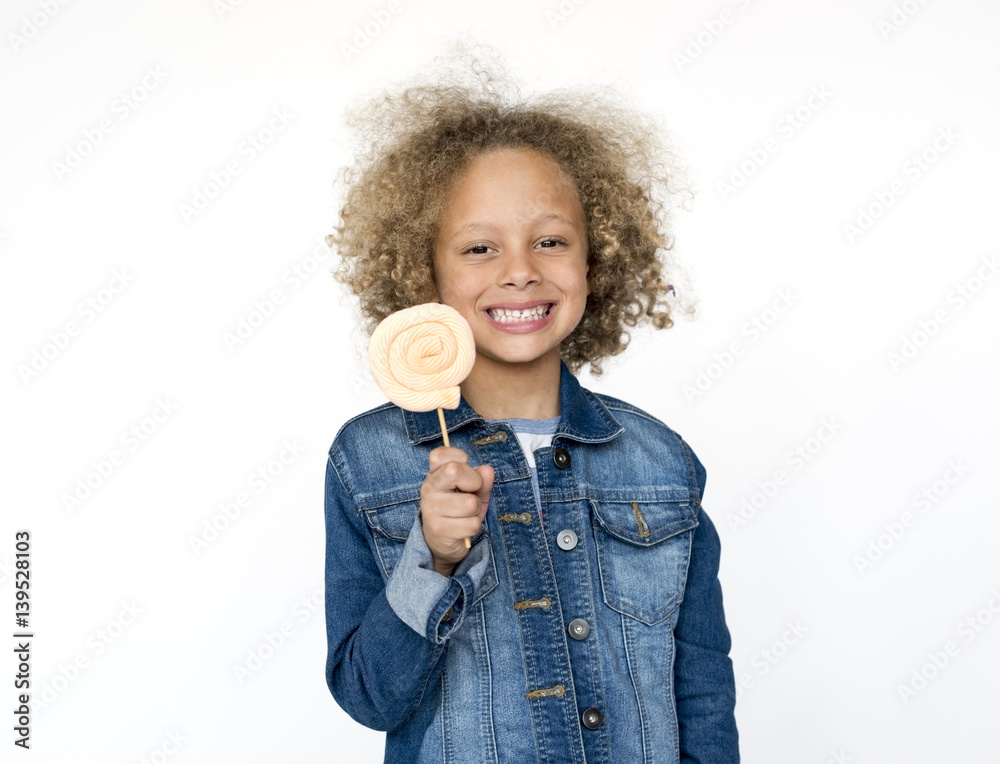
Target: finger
(453,531)
(456,505)
(452,476)
(444,454)
(449,532)
(487,474)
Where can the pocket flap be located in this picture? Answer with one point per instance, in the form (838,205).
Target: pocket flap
(644,522)
(393,521)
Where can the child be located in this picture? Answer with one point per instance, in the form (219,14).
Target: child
(585,624)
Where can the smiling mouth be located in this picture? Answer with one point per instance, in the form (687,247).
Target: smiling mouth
(507,316)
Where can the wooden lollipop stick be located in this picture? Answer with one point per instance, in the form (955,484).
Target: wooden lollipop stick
(444,434)
(444,427)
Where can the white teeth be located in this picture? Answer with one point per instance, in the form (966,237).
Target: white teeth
(503,316)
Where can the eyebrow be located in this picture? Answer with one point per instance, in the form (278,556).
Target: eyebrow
(480,226)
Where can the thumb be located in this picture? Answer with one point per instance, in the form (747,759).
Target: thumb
(486,473)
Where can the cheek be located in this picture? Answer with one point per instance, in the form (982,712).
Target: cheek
(453,291)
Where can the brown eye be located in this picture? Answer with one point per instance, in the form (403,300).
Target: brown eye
(476,249)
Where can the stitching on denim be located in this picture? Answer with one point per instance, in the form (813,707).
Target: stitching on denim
(489,732)
(435,658)
(447,740)
(629,645)
(556,691)
(437,630)
(668,676)
(602,413)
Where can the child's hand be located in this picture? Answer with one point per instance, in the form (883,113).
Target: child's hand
(450,516)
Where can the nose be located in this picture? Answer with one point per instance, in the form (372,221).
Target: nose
(520,268)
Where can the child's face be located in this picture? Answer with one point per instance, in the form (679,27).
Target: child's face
(511,257)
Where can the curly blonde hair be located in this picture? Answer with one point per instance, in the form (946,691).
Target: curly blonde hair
(415,145)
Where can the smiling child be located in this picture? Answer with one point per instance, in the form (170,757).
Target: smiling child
(586,623)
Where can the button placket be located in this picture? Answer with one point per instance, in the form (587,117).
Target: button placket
(551,691)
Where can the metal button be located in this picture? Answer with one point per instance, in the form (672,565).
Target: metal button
(579,628)
(561,457)
(448,614)
(592,718)
(566,539)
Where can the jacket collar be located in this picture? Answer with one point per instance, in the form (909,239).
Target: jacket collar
(584,417)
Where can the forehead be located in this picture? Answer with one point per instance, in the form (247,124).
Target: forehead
(514,178)
(514,158)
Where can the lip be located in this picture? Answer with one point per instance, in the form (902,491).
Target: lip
(521,327)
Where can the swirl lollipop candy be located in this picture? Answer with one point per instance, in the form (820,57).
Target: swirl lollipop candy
(420,355)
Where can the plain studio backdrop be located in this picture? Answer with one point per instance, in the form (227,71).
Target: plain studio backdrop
(178,358)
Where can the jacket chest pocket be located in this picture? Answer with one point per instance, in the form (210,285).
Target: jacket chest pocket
(390,527)
(643,550)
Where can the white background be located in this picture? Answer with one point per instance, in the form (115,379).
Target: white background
(893,428)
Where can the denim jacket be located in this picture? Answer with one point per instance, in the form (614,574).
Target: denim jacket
(594,634)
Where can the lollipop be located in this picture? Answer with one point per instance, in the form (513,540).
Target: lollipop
(420,355)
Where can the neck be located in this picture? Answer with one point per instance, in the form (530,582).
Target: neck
(499,390)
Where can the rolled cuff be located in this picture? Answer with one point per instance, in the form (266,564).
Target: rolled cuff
(422,597)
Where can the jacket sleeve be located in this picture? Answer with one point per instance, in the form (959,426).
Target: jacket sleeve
(386,641)
(704,683)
